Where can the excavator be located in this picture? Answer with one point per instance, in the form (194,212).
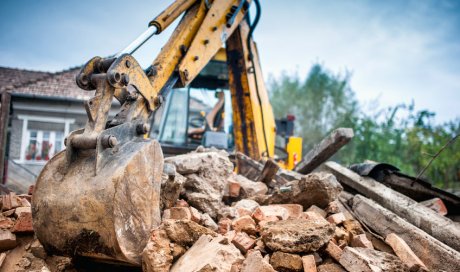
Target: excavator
(99,197)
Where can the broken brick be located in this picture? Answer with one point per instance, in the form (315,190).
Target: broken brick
(334,251)
(361,241)
(23,223)
(309,263)
(224,225)
(337,218)
(436,204)
(264,211)
(243,242)
(404,252)
(244,223)
(234,188)
(294,210)
(10,201)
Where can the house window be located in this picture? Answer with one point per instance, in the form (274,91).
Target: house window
(42,137)
(42,144)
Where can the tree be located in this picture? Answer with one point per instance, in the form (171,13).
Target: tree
(398,135)
(320,103)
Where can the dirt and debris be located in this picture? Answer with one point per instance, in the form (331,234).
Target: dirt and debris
(217,219)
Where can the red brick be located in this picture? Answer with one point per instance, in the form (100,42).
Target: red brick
(272,210)
(243,242)
(309,264)
(404,252)
(6,223)
(23,223)
(224,225)
(245,224)
(337,218)
(180,213)
(10,201)
(233,188)
(361,241)
(334,251)
(436,204)
(294,210)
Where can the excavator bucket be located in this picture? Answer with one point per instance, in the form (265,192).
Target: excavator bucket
(100,197)
(103,204)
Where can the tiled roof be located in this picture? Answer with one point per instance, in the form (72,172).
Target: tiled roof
(11,77)
(60,84)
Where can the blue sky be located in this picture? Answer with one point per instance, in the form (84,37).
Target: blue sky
(397,51)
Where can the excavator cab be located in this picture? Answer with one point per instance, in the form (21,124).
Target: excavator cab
(206,118)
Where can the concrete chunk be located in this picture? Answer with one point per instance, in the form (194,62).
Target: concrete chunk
(209,254)
(296,235)
(185,232)
(313,189)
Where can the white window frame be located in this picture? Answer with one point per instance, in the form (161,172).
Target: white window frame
(25,135)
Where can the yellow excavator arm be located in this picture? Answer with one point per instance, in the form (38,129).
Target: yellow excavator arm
(100,196)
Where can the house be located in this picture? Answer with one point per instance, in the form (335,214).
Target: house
(38,110)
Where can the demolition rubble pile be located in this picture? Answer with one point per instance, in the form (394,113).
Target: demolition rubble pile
(263,219)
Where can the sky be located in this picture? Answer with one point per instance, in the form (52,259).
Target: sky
(397,51)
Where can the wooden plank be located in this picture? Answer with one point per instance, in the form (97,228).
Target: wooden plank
(269,171)
(4,117)
(438,226)
(434,254)
(324,150)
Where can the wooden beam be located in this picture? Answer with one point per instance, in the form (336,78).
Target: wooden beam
(434,254)
(4,118)
(440,227)
(324,150)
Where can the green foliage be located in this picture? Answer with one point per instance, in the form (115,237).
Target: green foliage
(320,103)
(397,135)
